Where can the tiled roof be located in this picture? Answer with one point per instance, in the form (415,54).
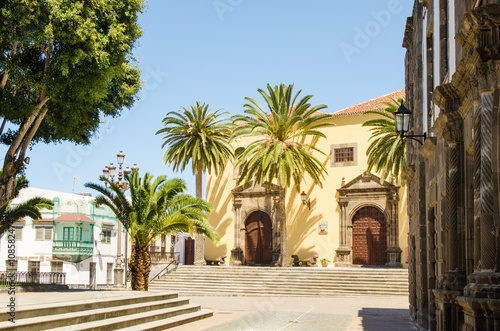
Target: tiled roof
(74,218)
(372,104)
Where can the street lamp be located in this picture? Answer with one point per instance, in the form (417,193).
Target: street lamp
(109,172)
(402,121)
(303,199)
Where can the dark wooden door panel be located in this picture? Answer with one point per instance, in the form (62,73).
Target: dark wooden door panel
(258,244)
(189,251)
(369,237)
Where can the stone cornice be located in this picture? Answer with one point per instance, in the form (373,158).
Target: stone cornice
(408,36)
(483,18)
(428,147)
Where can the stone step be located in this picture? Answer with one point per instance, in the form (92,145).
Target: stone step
(267,292)
(172,321)
(289,285)
(291,289)
(108,314)
(84,305)
(224,278)
(294,281)
(132,320)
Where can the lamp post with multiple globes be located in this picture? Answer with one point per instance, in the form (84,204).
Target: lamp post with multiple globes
(109,172)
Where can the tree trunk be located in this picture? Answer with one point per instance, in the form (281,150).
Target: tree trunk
(200,249)
(283,234)
(140,265)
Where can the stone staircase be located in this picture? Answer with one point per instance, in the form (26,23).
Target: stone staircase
(151,311)
(293,281)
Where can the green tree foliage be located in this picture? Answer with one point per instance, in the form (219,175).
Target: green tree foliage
(156,207)
(201,137)
(63,64)
(387,151)
(284,135)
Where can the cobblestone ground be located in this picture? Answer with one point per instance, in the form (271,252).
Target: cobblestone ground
(303,313)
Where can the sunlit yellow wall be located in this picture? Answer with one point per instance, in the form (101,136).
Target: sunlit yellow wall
(302,224)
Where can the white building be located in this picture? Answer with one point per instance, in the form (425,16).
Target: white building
(76,238)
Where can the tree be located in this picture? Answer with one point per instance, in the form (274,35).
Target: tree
(30,208)
(387,151)
(63,64)
(156,207)
(284,142)
(198,136)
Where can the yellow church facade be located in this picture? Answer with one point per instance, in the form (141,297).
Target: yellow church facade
(353,219)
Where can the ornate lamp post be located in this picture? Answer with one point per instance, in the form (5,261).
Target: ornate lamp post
(110,172)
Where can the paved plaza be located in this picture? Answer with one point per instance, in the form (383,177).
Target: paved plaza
(265,313)
(303,313)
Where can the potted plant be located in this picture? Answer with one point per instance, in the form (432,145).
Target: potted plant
(324,262)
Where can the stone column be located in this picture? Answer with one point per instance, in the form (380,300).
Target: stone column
(453,280)
(481,300)
(344,251)
(237,251)
(276,231)
(118,271)
(393,251)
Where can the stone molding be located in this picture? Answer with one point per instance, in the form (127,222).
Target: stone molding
(248,199)
(366,190)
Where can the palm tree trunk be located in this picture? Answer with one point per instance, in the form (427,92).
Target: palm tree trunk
(200,249)
(140,265)
(283,234)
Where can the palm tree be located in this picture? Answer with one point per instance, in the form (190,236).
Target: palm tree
(280,150)
(201,137)
(387,151)
(30,208)
(155,208)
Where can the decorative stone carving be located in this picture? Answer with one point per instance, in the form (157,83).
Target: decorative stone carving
(367,190)
(248,199)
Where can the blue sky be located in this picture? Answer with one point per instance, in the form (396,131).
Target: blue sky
(219,52)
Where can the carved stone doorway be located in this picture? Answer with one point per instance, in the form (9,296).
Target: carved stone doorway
(265,204)
(366,199)
(258,239)
(369,237)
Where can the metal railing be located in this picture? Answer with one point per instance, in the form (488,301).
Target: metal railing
(28,277)
(73,246)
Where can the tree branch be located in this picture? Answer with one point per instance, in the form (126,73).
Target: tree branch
(21,133)
(5,75)
(32,131)
(3,125)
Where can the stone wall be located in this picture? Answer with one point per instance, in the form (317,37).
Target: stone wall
(453,178)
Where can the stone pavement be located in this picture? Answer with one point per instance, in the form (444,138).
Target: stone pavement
(303,313)
(265,313)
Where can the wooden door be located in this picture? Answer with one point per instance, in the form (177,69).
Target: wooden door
(189,251)
(258,239)
(369,237)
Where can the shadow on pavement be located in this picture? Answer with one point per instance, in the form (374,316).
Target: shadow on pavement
(386,319)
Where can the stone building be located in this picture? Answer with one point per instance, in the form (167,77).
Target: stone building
(453,89)
(354,219)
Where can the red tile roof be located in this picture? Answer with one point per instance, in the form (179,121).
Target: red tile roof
(372,104)
(74,218)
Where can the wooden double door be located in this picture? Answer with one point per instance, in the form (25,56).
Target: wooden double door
(369,237)
(258,239)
